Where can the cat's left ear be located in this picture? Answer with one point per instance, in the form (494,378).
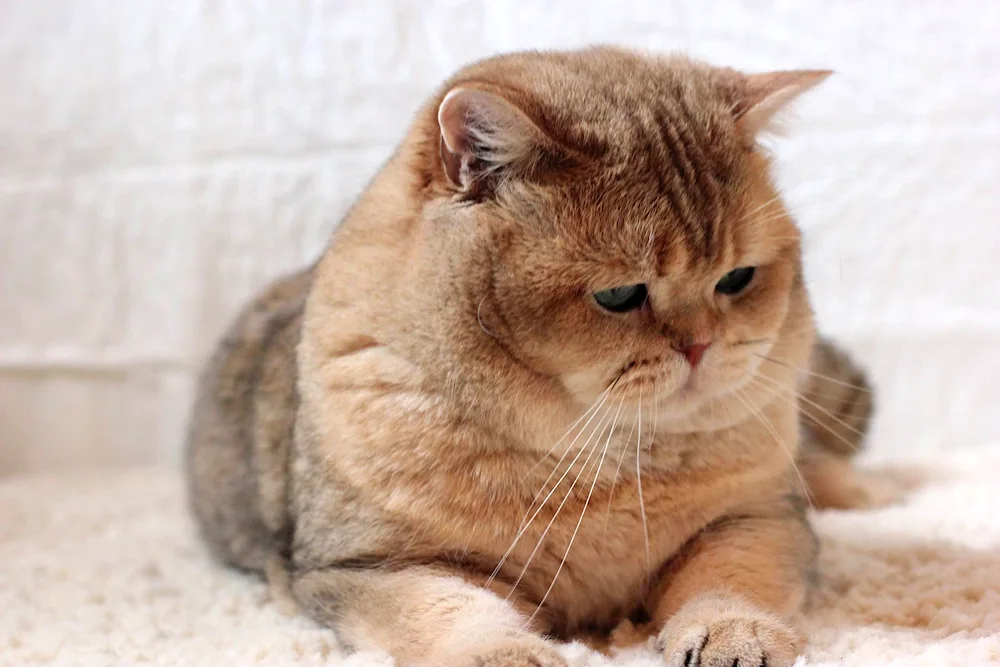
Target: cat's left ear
(483,133)
(762,96)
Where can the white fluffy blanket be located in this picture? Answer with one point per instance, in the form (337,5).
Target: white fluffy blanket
(106,569)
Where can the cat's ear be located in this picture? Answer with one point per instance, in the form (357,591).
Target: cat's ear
(483,134)
(762,96)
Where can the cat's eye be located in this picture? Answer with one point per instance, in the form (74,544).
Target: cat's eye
(621,299)
(735,281)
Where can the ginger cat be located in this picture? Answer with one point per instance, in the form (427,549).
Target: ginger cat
(545,379)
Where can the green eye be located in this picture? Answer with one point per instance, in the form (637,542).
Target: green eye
(621,299)
(735,281)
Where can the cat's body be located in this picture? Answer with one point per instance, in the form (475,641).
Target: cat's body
(240,477)
(389,428)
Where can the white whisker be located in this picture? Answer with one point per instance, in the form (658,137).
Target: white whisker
(614,482)
(525,525)
(479,318)
(638,480)
(592,411)
(814,374)
(586,503)
(777,439)
(541,539)
(812,417)
(762,206)
(819,407)
(656,412)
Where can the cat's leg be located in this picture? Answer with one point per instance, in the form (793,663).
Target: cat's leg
(729,597)
(424,616)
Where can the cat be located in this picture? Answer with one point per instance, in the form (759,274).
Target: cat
(548,380)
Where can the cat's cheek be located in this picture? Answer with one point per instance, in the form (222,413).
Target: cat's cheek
(586,386)
(732,370)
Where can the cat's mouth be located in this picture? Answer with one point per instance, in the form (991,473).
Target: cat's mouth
(642,374)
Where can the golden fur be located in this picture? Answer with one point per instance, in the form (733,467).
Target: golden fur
(455,450)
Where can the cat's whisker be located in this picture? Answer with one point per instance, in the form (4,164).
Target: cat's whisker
(826,394)
(638,481)
(833,392)
(593,450)
(816,375)
(797,208)
(479,318)
(523,529)
(591,411)
(813,418)
(583,512)
(754,341)
(762,418)
(807,401)
(791,211)
(569,448)
(729,410)
(614,482)
(820,376)
(785,210)
(778,216)
(772,200)
(656,412)
(598,402)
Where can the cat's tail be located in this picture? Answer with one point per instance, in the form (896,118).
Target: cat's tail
(835,406)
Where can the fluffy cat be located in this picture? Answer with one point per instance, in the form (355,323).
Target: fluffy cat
(544,380)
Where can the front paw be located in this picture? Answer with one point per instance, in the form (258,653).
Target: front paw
(727,632)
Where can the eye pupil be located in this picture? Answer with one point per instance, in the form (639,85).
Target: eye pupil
(621,299)
(735,281)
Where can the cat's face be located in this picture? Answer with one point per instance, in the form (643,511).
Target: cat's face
(638,247)
(626,296)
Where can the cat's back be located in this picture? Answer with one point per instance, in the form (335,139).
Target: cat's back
(241,427)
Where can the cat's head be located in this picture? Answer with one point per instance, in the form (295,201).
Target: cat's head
(616,226)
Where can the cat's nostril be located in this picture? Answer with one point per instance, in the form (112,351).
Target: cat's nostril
(693,352)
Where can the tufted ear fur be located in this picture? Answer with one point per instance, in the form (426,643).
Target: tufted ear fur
(484,134)
(762,96)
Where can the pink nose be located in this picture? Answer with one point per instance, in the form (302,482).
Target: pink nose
(694,352)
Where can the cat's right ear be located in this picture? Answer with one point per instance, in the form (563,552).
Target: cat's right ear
(763,96)
(483,134)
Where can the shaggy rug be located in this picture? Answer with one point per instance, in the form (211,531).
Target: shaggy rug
(105,569)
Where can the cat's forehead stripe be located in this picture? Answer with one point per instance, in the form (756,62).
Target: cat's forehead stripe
(673,150)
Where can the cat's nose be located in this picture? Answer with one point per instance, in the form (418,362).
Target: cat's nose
(693,352)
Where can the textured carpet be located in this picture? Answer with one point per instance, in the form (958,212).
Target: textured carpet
(105,569)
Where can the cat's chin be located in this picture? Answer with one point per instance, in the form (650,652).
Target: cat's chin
(701,416)
(702,405)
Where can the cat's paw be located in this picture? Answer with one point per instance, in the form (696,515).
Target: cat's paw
(517,654)
(727,632)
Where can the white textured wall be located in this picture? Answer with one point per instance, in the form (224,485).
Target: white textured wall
(160,160)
